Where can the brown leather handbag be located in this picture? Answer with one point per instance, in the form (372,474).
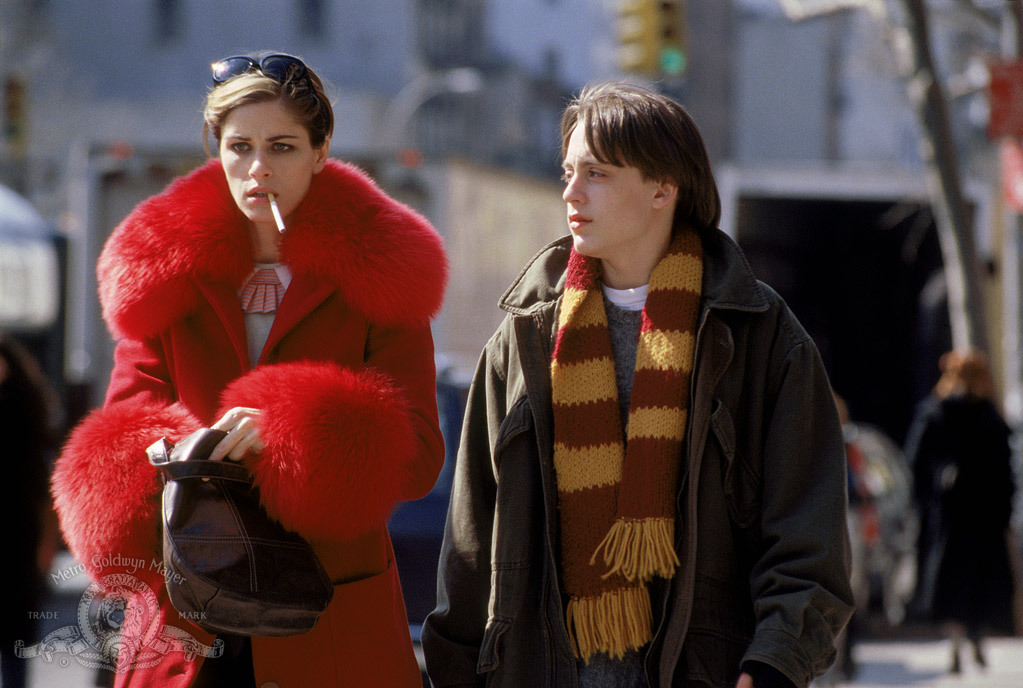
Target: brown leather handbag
(230,567)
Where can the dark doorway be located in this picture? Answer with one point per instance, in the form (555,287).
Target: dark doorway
(864,278)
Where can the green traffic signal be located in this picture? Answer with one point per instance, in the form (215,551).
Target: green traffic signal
(672,61)
(652,37)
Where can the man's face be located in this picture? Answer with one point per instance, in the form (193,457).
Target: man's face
(614,214)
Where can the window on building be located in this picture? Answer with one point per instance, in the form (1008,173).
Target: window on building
(450,32)
(311,15)
(37,8)
(551,63)
(167,24)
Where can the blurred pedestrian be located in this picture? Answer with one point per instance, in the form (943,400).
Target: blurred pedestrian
(882,530)
(282,297)
(650,488)
(27,419)
(959,449)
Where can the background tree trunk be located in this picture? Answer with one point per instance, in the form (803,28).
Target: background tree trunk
(955,226)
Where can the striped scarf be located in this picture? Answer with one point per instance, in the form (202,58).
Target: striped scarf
(616,497)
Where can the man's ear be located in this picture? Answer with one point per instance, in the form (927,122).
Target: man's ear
(665,194)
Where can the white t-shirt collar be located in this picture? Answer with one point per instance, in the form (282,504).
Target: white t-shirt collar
(629,299)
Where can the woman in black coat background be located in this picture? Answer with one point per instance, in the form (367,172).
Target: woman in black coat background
(27,407)
(959,450)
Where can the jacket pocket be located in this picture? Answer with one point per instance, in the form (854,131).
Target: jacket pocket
(741,485)
(513,645)
(490,648)
(517,421)
(719,634)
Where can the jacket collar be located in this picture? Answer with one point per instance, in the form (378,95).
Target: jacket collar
(386,259)
(728,280)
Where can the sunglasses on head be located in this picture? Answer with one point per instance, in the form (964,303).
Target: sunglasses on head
(276,66)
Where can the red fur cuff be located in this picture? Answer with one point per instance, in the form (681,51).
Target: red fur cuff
(105,491)
(337,445)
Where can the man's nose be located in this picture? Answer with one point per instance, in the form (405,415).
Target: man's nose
(572,191)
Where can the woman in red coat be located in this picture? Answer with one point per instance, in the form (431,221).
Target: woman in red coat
(310,345)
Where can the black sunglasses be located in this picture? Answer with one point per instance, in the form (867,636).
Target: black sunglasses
(277,66)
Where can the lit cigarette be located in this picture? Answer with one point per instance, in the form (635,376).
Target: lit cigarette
(277,213)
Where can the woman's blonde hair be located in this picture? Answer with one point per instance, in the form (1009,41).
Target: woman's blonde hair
(301,92)
(965,373)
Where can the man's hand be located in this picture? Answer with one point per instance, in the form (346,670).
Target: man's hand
(745,681)
(242,434)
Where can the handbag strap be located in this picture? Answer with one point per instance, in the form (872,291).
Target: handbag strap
(203,468)
(188,458)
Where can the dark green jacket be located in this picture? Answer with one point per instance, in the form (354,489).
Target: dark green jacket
(761,531)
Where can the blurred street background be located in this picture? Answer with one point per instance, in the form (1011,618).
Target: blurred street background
(868,158)
(916,655)
(923,663)
(912,655)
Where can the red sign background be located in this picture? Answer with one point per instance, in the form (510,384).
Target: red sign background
(1006,99)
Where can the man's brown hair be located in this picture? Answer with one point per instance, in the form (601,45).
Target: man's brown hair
(631,126)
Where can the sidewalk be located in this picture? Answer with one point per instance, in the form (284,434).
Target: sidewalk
(60,609)
(885,658)
(925,663)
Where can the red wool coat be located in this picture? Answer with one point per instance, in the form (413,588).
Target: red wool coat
(346,384)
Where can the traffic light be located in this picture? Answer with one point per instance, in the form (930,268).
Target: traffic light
(674,37)
(15,115)
(638,39)
(652,37)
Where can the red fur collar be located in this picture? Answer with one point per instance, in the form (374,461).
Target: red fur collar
(385,258)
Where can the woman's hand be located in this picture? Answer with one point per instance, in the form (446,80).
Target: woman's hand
(242,434)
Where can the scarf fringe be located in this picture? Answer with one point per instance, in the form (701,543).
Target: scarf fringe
(639,549)
(613,622)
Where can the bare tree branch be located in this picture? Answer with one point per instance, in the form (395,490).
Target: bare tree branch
(970,7)
(798,10)
(1016,34)
(955,227)
(912,44)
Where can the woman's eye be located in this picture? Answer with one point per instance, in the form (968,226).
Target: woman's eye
(566,176)
(240,147)
(281,147)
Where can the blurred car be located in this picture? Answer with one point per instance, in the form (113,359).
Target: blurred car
(417,527)
(883,521)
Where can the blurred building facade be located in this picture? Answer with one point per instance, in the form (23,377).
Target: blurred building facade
(104,114)
(453,103)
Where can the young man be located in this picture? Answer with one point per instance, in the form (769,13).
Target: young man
(650,488)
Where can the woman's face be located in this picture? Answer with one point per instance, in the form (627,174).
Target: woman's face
(264,149)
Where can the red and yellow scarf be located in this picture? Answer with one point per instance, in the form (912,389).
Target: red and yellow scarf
(616,498)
